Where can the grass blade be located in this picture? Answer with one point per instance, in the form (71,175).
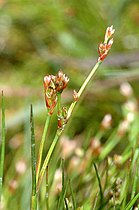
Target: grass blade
(66,204)
(72,195)
(132,202)
(99,182)
(33,162)
(61,199)
(41,147)
(47,190)
(47,159)
(2,146)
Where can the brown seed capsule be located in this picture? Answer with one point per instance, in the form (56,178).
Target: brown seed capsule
(75,95)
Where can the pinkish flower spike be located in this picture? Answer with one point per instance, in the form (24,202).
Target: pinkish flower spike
(47,80)
(106,46)
(109,32)
(75,95)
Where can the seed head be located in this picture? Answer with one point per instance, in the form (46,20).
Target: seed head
(105,47)
(109,32)
(61,81)
(75,95)
(52,86)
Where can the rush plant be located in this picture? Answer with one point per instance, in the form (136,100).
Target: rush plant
(54,85)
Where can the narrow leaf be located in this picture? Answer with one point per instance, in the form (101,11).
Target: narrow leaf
(99,182)
(72,195)
(132,202)
(33,162)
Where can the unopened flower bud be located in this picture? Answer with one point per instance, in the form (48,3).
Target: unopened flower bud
(124,125)
(13,185)
(20,167)
(58,180)
(96,146)
(47,80)
(106,122)
(109,32)
(75,95)
(130,117)
(131,106)
(117,160)
(126,89)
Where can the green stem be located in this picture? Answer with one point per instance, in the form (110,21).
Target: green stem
(60,131)
(34,202)
(83,88)
(48,156)
(47,190)
(99,182)
(42,146)
(3,146)
(61,199)
(33,163)
(59,103)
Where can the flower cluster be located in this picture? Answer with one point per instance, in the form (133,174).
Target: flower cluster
(106,46)
(54,85)
(62,117)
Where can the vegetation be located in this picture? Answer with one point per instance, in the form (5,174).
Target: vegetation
(78,148)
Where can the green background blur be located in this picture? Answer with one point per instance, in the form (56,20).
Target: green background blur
(41,37)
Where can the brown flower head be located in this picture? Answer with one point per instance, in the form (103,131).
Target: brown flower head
(61,81)
(52,86)
(75,95)
(50,93)
(109,32)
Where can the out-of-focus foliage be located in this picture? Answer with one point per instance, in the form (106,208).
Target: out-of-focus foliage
(32,32)
(40,37)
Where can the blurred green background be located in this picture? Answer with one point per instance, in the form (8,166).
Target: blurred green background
(41,37)
(38,38)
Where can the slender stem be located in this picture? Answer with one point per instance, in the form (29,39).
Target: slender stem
(39,160)
(47,190)
(72,195)
(3,146)
(59,103)
(83,88)
(99,182)
(60,131)
(61,199)
(33,163)
(48,156)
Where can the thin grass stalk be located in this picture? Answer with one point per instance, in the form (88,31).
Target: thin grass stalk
(39,160)
(134,186)
(99,183)
(2,146)
(131,202)
(61,199)
(48,156)
(126,190)
(95,201)
(47,190)
(66,204)
(59,131)
(59,103)
(72,195)
(33,162)
(81,90)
